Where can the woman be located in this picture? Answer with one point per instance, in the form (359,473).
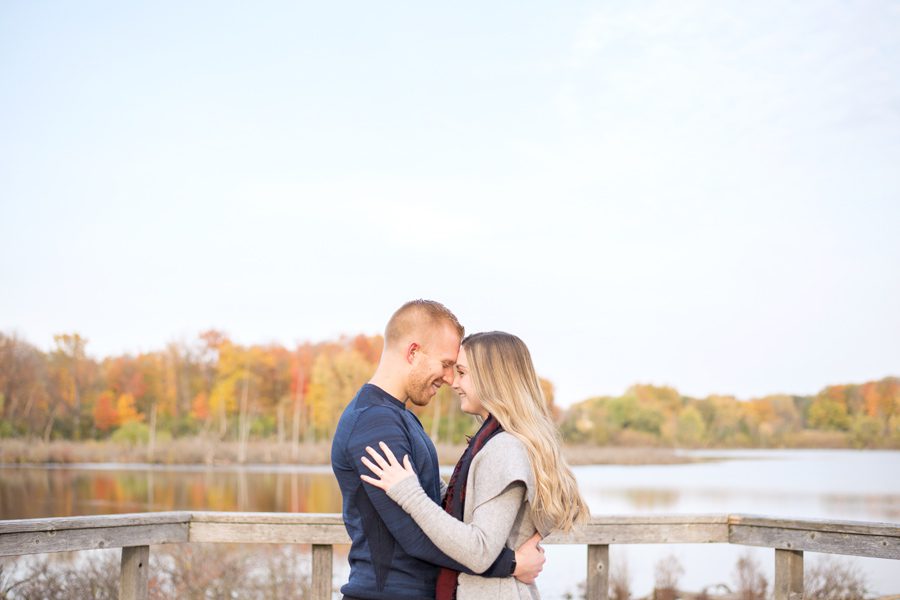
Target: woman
(510,482)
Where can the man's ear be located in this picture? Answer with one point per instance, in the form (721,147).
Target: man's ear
(411,352)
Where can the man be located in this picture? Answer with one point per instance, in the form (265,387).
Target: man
(390,558)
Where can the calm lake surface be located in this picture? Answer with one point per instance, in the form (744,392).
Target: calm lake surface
(835,484)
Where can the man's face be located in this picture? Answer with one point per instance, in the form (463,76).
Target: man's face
(432,366)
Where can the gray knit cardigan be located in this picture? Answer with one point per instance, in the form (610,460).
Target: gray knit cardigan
(499,492)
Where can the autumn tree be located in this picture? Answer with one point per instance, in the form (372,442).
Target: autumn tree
(829,413)
(301,369)
(336,377)
(69,369)
(106,414)
(23,391)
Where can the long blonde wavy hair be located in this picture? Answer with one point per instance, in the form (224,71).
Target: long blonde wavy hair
(508,387)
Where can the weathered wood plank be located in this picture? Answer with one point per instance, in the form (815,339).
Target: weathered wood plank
(135,573)
(35,542)
(597,585)
(93,521)
(268,533)
(322,558)
(658,519)
(818,525)
(876,546)
(788,575)
(647,533)
(267,517)
(30,536)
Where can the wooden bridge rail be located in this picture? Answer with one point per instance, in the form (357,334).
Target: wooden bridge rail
(135,533)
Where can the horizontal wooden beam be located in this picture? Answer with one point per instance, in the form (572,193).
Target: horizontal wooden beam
(817,525)
(644,533)
(276,518)
(268,533)
(94,521)
(855,544)
(29,536)
(268,528)
(856,538)
(65,540)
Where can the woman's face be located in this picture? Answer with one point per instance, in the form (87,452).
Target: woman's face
(465,387)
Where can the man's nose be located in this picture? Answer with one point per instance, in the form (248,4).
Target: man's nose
(448,377)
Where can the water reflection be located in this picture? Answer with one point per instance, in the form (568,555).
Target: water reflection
(651,499)
(41,492)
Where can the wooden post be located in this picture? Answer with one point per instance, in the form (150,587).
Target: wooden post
(321,571)
(135,571)
(788,574)
(597,572)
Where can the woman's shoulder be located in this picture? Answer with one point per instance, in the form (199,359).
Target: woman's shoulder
(503,453)
(505,443)
(501,461)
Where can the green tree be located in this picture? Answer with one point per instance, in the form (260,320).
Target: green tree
(691,429)
(865,431)
(828,413)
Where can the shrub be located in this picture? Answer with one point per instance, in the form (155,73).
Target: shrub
(189,571)
(131,433)
(865,431)
(750,583)
(668,572)
(834,579)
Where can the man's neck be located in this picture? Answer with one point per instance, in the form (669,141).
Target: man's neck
(391,384)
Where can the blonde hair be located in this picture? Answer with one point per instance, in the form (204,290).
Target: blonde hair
(416,314)
(508,386)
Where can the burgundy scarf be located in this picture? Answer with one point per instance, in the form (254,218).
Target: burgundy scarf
(455,500)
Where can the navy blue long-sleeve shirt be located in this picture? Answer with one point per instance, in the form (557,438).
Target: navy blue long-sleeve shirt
(390,558)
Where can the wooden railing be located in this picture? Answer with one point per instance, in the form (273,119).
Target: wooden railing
(135,533)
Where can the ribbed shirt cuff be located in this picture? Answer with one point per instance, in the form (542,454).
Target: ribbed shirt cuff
(405,490)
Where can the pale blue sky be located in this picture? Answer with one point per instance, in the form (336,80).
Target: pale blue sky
(702,194)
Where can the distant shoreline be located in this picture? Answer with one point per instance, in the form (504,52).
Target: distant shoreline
(208,452)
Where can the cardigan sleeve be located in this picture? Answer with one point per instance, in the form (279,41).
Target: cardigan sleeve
(474,544)
(385,425)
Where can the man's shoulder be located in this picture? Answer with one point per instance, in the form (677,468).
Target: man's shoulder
(364,417)
(367,399)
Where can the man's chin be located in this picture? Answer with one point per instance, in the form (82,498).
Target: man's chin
(425,397)
(421,401)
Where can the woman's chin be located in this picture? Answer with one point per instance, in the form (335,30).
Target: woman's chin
(469,410)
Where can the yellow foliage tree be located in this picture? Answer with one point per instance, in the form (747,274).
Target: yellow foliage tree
(335,380)
(126,410)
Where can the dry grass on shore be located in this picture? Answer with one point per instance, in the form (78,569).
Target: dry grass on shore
(209,451)
(181,451)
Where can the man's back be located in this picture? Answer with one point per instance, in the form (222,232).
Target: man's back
(385,541)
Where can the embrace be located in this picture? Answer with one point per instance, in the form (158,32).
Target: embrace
(415,537)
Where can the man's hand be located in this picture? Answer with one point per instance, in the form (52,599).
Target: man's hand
(530,560)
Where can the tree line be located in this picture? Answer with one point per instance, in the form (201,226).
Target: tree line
(209,386)
(863,415)
(215,387)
